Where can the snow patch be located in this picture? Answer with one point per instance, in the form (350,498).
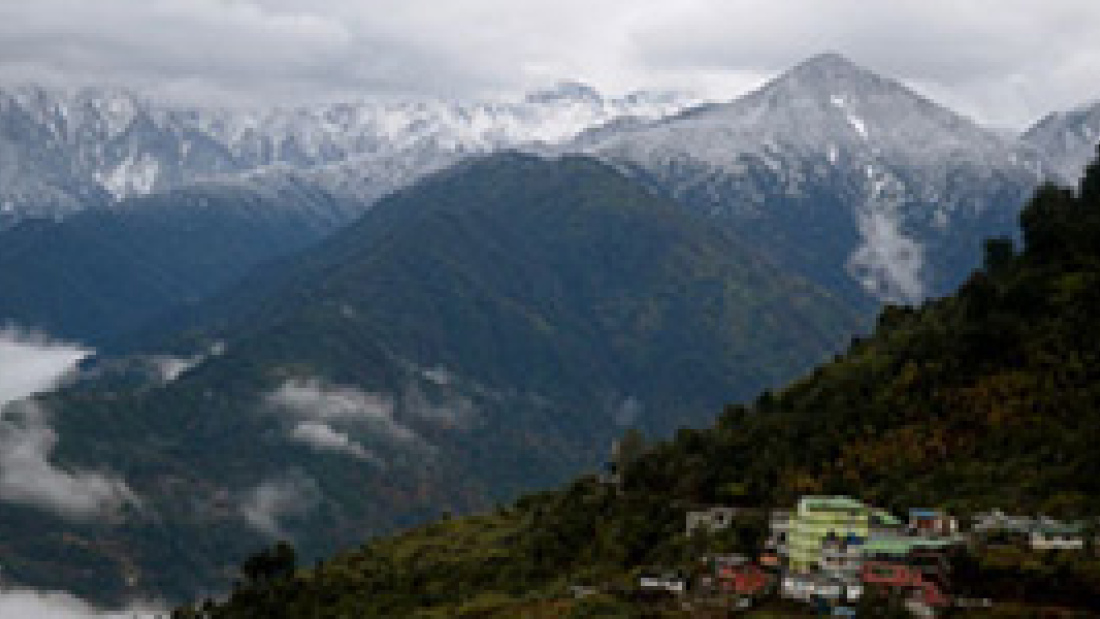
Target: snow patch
(855,121)
(130,177)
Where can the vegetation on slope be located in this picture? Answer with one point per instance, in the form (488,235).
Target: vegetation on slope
(486,332)
(989,398)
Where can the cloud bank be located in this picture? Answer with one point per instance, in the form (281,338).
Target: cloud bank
(27,477)
(31,364)
(1006,61)
(326,438)
(29,604)
(323,414)
(268,506)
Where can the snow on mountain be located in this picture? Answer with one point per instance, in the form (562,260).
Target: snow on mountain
(60,152)
(1069,139)
(833,163)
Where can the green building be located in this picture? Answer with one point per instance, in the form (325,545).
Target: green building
(825,521)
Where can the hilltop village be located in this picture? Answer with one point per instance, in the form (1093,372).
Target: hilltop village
(835,555)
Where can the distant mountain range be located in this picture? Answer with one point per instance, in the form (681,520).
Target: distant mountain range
(62,152)
(848,178)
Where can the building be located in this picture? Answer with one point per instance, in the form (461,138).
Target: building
(905,579)
(807,587)
(711,520)
(1042,533)
(841,557)
(770,558)
(666,582)
(996,521)
(842,523)
(717,561)
(744,580)
(797,586)
(1047,534)
(932,523)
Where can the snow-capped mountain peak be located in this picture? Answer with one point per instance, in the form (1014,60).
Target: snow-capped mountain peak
(1069,139)
(847,154)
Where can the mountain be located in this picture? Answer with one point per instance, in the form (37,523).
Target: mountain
(847,178)
(102,273)
(852,179)
(985,399)
(61,152)
(1068,139)
(487,330)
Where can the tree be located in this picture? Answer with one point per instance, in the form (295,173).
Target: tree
(1047,219)
(629,448)
(999,253)
(1090,183)
(270,564)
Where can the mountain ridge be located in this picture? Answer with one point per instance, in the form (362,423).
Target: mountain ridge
(851,179)
(488,329)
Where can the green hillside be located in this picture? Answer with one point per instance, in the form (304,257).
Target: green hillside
(486,332)
(989,398)
(102,273)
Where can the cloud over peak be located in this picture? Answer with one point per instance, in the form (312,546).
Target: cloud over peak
(1007,61)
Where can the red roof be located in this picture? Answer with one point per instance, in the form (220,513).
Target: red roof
(744,579)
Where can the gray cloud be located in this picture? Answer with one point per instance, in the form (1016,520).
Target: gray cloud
(443,409)
(1006,61)
(31,604)
(169,367)
(31,364)
(27,477)
(326,438)
(318,402)
(269,505)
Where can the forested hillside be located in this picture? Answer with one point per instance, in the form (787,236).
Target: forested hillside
(988,398)
(485,332)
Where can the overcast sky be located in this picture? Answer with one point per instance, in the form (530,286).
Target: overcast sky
(1003,61)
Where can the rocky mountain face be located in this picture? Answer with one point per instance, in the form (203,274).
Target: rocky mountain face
(1068,139)
(850,178)
(62,152)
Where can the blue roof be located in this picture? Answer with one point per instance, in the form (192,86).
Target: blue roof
(923,513)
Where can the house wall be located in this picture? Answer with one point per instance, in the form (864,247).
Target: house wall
(814,521)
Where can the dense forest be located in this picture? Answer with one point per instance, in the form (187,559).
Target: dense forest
(989,398)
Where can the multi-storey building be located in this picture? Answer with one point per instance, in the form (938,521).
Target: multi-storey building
(826,532)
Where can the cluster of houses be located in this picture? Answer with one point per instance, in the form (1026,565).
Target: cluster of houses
(831,551)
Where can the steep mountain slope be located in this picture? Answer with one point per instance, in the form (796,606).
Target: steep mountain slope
(853,179)
(104,272)
(632,283)
(62,152)
(986,399)
(1068,139)
(486,331)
